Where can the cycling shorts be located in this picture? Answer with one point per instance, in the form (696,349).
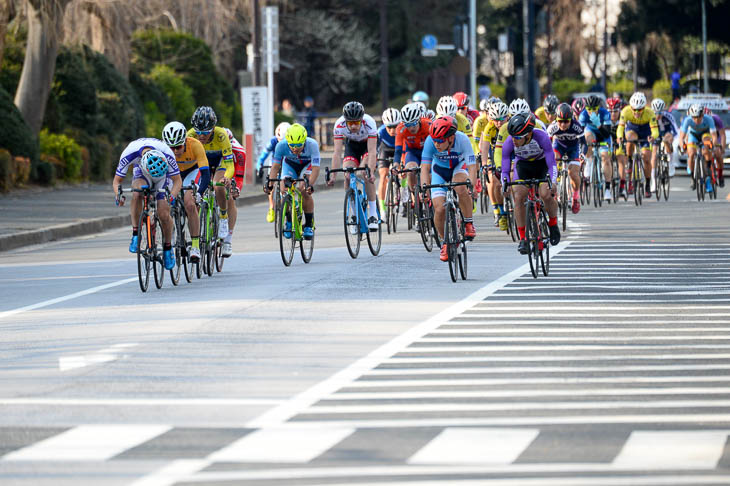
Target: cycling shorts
(355,151)
(385,156)
(642,131)
(294,170)
(158,185)
(692,139)
(413,155)
(531,169)
(573,153)
(189,176)
(442,175)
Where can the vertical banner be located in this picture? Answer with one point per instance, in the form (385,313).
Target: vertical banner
(258,125)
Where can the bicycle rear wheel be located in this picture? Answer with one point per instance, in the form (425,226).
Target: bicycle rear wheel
(424,221)
(287,245)
(597,183)
(545,239)
(389,205)
(185,245)
(212,240)
(484,195)
(375,238)
(306,247)
(509,210)
(351,224)
(203,239)
(699,175)
(532,236)
(451,238)
(157,264)
(143,253)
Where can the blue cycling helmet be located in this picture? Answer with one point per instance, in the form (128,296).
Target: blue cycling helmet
(154,163)
(420,96)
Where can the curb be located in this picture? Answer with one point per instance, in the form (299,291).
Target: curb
(96,225)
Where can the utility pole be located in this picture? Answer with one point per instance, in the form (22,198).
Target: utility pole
(528,43)
(473,51)
(549,48)
(255,41)
(383,54)
(704,48)
(605,45)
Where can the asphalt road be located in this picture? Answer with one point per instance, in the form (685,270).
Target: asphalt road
(380,370)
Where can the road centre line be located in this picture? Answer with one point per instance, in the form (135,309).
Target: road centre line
(490,329)
(573,480)
(489,322)
(504,305)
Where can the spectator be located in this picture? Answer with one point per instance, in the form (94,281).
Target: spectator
(309,115)
(287,108)
(675,84)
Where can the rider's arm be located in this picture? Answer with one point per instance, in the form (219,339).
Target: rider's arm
(315,161)
(621,124)
(337,153)
(506,154)
(427,160)
(547,149)
(399,145)
(176,185)
(372,154)
(653,124)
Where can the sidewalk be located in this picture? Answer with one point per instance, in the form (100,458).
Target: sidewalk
(39,214)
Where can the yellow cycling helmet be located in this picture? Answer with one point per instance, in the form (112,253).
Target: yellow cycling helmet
(296,134)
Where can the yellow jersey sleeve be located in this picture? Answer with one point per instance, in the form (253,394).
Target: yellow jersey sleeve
(542,115)
(501,137)
(463,125)
(220,143)
(479,125)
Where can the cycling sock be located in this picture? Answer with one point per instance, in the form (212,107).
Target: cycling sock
(308,219)
(608,185)
(500,207)
(373,208)
(135,231)
(468,220)
(521,232)
(575,194)
(553,221)
(224,214)
(196,241)
(167,246)
(496,210)
(622,184)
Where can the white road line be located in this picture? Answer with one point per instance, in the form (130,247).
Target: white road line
(573,480)
(88,443)
(280,445)
(560,380)
(66,363)
(652,450)
(577,339)
(579,286)
(551,357)
(576,328)
(693,265)
(141,402)
(172,473)
(64,298)
(516,293)
(495,308)
(477,446)
(555,348)
(542,369)
(640,304)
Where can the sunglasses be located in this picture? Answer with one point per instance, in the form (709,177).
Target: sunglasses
(203,132)
(519,137)
(438,140)
(296,145)
(177,147)
(564,120)
(500,119)
(411,124)
(353,123)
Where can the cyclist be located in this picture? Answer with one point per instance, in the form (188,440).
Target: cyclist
(462,103)
(431,115)
(719,152)
(546,113)
(499,115)
(639,125)
(596,122)
(578,106)
(410,136)
(193,165)
(480,124)
(697,127)
(154,166)
(667,127)
(386,150)
(447,154)
(447,107)
(534,159)
(355,132)
(220,159)
(421,96)
(615,105)
(298,157)
(279,133)
(566,134)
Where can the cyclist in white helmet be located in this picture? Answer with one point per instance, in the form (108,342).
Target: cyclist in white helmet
(639,126)
(386,150)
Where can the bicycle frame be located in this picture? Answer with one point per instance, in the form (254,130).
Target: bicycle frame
(357,184)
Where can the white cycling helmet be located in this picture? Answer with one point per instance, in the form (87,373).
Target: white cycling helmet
(498,111)
(391,117)
(446,106)
(658,105)
(174,134)
(637,101)
(411,113)
(695,110)
(484,105)
(519,106)
(431,115)
(281,129)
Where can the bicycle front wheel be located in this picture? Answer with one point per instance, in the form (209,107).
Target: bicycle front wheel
(461,247)
(352,224)
(143,253)
(375,238)
(176,247)
(484,195)
(277,207)
(157,264)
(424,221)
(307,246)
(545,241)
(563,192)
(451,239)
(389,210)
(532,236)
(287,245)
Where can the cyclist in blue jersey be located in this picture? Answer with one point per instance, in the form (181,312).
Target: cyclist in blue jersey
(298,156)
(567,134)
(697,128)
(386,150)
(596,121)
(534,159)
(279,133)
(447,156)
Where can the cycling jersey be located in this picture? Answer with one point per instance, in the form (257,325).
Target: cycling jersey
(536,150)
(292,164)
(719,125)
(193,162)
(666,123)
(501,137)
(479,125)
(219,151)
(694,131)
(132,155)
(627,121)
(385,138)
(464,126)
(239,159)
(445,164)
(472,115)
(269,149)
(411,143)
(593,120)
(368,129)
(541,115)
(566,142)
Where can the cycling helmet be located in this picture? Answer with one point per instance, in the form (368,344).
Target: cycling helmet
(462,99)
(564,112)
(613,104)
(420,96)
(204,119)
(281,129)
(422,107)
(411,113)
(578,106)
(708,111)
(517,106)
(637,101)
(550,104)
(154,163)
(430,114)
(391,117)
(443,127)
(353,111)
(521,124)
(484,105)
(174,134)
(446,106)
(658,105)
(593,102)
(695,110)
(498,111)
(296,134)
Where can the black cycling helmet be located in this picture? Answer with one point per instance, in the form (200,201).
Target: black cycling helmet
(564,112)
(593,102)
(521,124)
(353,111)
(204,118)
(551,103)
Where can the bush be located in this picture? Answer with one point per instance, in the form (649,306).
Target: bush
(622,85)
(17,137)
(179,93)
(6,161)
(662,88)
(498,90)
(13,58)
(564,88)
(46,173)
(64,151)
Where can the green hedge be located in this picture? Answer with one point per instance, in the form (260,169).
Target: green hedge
(564,88)
(63,149)
(17,137)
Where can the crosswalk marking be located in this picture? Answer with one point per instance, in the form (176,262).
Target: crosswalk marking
(88,443)
(280,445)
(692,449)
(475,446)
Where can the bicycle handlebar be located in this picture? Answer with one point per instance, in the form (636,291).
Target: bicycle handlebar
(120,197)
(530,182)
(349,170)
(448,185)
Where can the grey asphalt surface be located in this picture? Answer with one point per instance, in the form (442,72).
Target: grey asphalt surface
(225,357)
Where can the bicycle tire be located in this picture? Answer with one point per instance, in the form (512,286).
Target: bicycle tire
(544,236)
(615,181)
(451,239)
(287,245)
(532,235)
(564,195)
(396,204)
(175,241)
(212,239)
(351,224)
(143,253)
(512,221)
(484,195)
(389,204)
(424,222)
(375,238)
(186,246)
(461,247)
(158,266)
(638,186)
(306,247)
(277,207)
(202,239)
(598,183)
(410,212)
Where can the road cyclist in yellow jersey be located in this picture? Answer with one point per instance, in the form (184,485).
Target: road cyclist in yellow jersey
(547,112)
(499,116)
(220,159)
(637,125)
(193,165)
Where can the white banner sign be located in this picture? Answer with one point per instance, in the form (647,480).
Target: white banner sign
(258,122)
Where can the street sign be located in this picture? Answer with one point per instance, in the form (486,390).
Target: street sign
(429,42)
(270,29)
(258,124)
(429,52)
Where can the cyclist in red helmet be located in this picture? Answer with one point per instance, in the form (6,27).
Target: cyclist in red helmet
(462,104)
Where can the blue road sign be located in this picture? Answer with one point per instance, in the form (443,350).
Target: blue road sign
(429,42)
